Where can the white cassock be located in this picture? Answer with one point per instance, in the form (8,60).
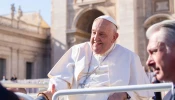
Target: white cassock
(79,65)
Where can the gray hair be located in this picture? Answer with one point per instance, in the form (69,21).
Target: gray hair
(168,31)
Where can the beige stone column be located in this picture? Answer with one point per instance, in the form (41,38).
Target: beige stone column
(14,61)
(39,66)
(21,66)
(141,41)
(125,20)
(58,30)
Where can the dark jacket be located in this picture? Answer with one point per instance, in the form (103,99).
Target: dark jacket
(7,95)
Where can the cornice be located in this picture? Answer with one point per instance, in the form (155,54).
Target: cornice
(24,34)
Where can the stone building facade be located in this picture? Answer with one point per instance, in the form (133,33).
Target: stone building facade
(72,21)
(24,46)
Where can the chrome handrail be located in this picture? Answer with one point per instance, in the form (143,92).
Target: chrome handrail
(154,87)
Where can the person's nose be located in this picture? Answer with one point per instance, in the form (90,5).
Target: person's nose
(96,37)
(150,62)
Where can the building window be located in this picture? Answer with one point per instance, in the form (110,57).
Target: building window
(29,70)
(2,68)
(162,6)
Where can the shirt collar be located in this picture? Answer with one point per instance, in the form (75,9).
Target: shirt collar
(102,56)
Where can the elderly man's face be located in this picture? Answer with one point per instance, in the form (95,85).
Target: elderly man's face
(102,36)
(161,59)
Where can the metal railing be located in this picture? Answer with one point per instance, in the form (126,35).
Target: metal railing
(154,87)
(145,87)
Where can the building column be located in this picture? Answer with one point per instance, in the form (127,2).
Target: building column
(141,41)
(58,30)
(14,61)
(126,22)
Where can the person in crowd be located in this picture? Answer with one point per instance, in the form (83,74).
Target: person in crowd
(98,63)
(4,78)
(161,50)
(7,95)
(13,78)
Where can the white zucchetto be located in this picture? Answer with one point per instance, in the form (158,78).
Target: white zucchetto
(107,17)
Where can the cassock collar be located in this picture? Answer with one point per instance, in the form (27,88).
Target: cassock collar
(100,57)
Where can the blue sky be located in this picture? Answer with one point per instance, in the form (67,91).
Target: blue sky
(44,6)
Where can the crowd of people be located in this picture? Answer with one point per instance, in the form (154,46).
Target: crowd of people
(103,63)
(13,78)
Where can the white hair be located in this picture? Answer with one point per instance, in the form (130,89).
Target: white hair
(167,34)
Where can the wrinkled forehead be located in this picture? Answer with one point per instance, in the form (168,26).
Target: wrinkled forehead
(101,21)
(152,44)
(155,42)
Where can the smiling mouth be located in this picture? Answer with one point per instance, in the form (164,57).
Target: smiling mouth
(97,43)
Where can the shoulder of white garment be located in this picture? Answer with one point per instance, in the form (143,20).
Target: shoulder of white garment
(71,55)
(82,45)
(86,45)
(124,49)
(79,47)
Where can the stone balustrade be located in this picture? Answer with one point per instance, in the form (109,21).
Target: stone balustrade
(31,85)
(17,24)
(87,2)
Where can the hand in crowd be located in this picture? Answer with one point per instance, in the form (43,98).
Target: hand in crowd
(48,94)
(118,96)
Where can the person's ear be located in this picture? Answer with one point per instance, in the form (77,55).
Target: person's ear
(115,36)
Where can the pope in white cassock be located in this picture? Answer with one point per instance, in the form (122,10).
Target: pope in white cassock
(99,63)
